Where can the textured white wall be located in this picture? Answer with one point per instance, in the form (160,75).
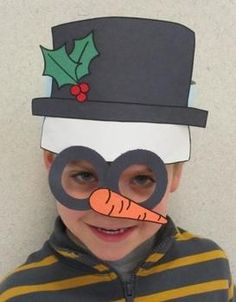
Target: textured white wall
(205,203)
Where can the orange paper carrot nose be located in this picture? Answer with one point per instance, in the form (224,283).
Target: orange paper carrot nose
(107,202)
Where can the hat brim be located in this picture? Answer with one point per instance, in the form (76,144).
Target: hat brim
(119,111)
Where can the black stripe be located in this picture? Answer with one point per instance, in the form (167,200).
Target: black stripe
(109,196)
(103,291)
(144,216)
(190,247)
(122,205)
(129,204)
(182,276)
(112,208)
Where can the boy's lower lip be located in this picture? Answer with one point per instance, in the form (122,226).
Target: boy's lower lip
(112,237)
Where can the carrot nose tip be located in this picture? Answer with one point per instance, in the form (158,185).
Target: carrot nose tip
(162,220)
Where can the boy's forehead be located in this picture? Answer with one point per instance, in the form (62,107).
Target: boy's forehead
(111,139)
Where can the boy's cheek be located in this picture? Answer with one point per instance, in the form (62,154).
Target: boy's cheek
(162,207)
(68,214)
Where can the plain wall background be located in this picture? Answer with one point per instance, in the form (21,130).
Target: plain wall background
(205,203)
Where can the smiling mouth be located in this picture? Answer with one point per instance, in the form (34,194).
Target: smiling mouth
(112,231)
(111,228)
(117,231)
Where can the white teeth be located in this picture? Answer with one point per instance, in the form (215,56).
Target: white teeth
(119,231)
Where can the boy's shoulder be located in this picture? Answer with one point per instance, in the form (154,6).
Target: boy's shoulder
(194,261)
(25,273)
(45,274)
(187,243)
(199,253)
(183,235)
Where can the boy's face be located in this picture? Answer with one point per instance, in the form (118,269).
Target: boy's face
(135,182)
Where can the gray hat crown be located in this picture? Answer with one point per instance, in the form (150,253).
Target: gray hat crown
(141,62)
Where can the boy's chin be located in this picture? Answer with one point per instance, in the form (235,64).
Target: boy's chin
(112,256)
(113,252)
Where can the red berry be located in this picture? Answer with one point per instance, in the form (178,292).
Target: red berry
(75,90)
(84,87)
(81,97)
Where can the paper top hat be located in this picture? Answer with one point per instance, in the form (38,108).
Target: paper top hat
(120,84)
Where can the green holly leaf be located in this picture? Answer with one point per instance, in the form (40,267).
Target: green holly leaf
(84,51)
(59,66)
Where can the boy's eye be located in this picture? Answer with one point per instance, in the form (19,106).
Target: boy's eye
(84,177)
(142,180)
(138,187)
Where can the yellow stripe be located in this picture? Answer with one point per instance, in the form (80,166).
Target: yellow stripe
(101,267)
(183,261)
(231,289)
(45,262)
(56,285)
(154,257)
(71,255)
(184,236)
(185,291)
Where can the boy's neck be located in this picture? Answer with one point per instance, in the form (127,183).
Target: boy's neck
(143,246)
(127,264)
(75,239)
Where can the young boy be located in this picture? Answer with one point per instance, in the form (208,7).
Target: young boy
(115,136)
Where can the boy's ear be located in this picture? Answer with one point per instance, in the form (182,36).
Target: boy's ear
(48,158)
(177,173)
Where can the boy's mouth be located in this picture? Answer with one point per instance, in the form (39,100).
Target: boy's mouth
(112,234)
(112,231)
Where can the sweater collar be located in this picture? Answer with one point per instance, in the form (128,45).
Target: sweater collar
(66,248)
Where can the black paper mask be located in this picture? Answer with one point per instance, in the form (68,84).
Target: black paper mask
(100,176)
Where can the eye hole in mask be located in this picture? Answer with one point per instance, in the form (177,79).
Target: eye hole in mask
(137,182)
(79,179)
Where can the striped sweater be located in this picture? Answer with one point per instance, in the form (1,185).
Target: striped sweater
(181,267)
